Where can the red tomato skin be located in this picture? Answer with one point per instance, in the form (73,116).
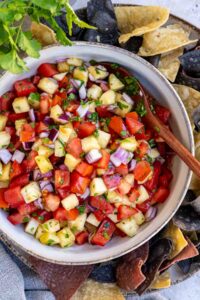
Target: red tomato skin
(6,101)
(40,127)
(16,218)
(24,87)
(82,237)
(35,79)
(133,125)
(101,204)
(85,129)
(144,206)
(3,203)
(27,208)
(13,117)
(20,180)
(62,179)
(29,164)
(104,233)
(112,180)
(116,124)
(163,113)
(78,183)
(16,169)
(43,216)
(160,195)
(151,184)
(165,178)
(47,70)
(13,197)
(125,212)
(99,215)
(104,161)
(64,192)
(74,147)
(103,112)
(84,169)
(142,170)
(122,169)
(60,214)
(134,194)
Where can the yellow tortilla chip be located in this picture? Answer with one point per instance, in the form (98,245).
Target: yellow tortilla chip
(45,35)
(164,39)
(178,240)
(161,281)
(92,290)
(169,64)
(135,21)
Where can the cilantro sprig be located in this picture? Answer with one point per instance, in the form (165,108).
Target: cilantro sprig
(14,40)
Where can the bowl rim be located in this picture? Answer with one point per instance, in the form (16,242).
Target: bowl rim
(189,172)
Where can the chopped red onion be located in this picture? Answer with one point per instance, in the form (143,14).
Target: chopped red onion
(127,98)
(132,164)
(46,185)
(18,156)
(32,115)
(48,121)
(37,175)
(82,110)
(112,107)
(71,90)
(151,213)
(91,77)
(51,146)
(76,83)
(43,134)
(5,156)
(61,60)
(86,194)
(114,182)
(93,156)
(38,203)
(27,145)
(53,134)
(63,167)
(120,156)
(102,68)
(82,92)
(90,208)
(101,81)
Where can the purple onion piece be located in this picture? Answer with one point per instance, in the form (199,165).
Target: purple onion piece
(120,156)
(48,121)
(83,110)
(53,134)
(151,213)
(51,146)
(76,83)
(132,164)
(27,145)
(37,175)
(82,92)
(91,78)
(38,203)
(32,115)
(64,117)
(93,156)
(18,156)
(46,185)
(44,134)
(127,98)
(5,156)
(71,90)
(61,60)
(63,167)
(86,194)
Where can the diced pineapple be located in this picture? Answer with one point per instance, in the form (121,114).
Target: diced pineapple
(78,224)
(114,83)
(143,194)
(31,192)
(3,121)
(149,176)
(45,151)
(37,144)
(113,216)
(44,164)
(97,187)
(139,218)
(89,143)
(32,226)
(51,226)
(63,224)
(59,149)
(123,107)
(125,201)
(100,172)
(114,197)
(92,107)
(98,72)
(20,105)
(4,184)
(128,226)
(93,220)
(153,153)
(19,125)
(59,76)
(49,239)
(39,232)
(1,169)
(129,144)
(63,66)
(48,85)
(70,202)
(130,179)
(81,73)
(66,133)
(103,138)
(108,98)
(5,175)
(94,92)
(75,61)
(55,113)
(66,237)
(71,162)
(4,139)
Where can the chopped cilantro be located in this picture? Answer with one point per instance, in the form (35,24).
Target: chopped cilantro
(62,143)
(65,103)
(140,109)
(93,117)
(149,159)
(41,218)
(50,242)
(82,155)
(93,62)
(71,68)
(107,121)
(34,214)
(67,235)
(114,66)
(53,126)
(81,209)
(96,133)
(152,108)
(71,96)
(152,143)
(131,85)
(121,105)
(34,97)
(82,68)
(11,146)
(32,124)
(98,103)
(123,132)
(26,219)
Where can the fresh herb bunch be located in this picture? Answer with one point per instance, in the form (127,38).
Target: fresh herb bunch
(14,40)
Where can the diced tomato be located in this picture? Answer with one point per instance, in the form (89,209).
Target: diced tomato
(161,148)
(27,208)
(142,149)
(122,169)
(6,101)
(104,233)
(74,147)
(114,145)
(132,115)
(144,206)
(13,117)
(57,100)
(42,216)
(62,178)
(40,127)
(85,129)
(160,195)
(120,233)
(133,125)
(103,111)
(24,87)
(144,134)
(165,178)
(16,170)
(99,215)
(47,70)
(51,202)
(35,79)
(84,169)
(20,180)
(16,218)
(142,170)
(78,183)
(104,161)
(134,194)
(124,187)
(72,214)
(82,237)
(60,214)
(3,203)
(29,163)
(100,203)
(125,212)
(62,94)
(44,104)
(153,182)
(27,134)
(163,113)
(73,106)
(13,196)
(64,82)
(11,130)
(116,124)
(64,192)
(112,181)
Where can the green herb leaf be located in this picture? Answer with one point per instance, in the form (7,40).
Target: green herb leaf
(28,44)
(152,143)
(12,62)
(140,109)
(81,209)
(93,117)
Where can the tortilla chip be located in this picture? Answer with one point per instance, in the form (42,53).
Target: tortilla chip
(164,39)
(178,240)
(135,21)
(45,35)
(169,64)
(161,281)
(91,290)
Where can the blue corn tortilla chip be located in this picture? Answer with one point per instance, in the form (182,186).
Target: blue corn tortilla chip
(104,272)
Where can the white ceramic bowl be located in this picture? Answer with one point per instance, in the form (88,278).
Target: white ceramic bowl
(160,88)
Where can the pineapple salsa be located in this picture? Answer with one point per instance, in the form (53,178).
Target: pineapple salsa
(78,163)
